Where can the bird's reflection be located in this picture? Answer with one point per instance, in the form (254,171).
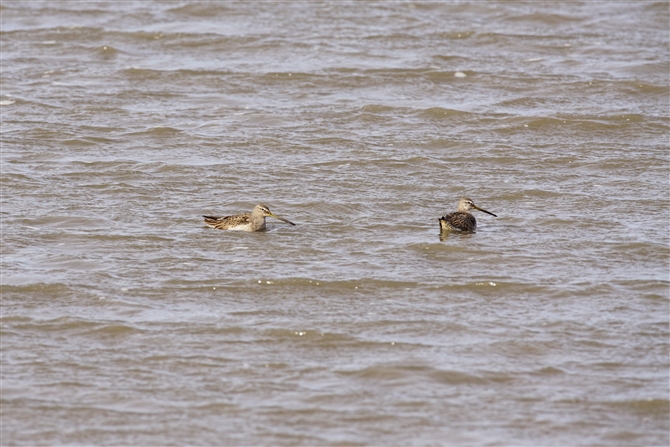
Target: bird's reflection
(444,234)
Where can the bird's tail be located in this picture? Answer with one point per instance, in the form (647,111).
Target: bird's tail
(211,220)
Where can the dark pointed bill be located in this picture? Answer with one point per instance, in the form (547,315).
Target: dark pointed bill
(282,219)
(484,211)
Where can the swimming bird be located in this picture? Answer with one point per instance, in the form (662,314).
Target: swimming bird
(462,220)
(253,221)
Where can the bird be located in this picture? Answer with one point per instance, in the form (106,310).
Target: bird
(254,221)
(462,220)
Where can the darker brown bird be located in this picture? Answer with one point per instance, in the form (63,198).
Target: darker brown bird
(462,220)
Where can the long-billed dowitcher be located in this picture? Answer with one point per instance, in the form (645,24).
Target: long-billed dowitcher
(462,220)
(253,221)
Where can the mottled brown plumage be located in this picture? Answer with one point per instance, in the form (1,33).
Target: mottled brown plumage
(462,220)
(254,221)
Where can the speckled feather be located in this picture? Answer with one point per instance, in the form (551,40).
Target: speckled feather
(237,222)
(254,221)
(462,220)
(458,221)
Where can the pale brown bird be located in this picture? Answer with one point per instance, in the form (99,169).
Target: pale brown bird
(253,221)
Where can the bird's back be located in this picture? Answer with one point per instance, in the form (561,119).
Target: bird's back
(459,221)
(236,222)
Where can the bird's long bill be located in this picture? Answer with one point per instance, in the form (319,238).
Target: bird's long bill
(282,219)
(484,211)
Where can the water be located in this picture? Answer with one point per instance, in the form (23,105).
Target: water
(125,321)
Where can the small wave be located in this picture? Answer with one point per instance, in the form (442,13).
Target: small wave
(395,373)
(377,108)
(207,10)
(106,52)
(441,113)
(155,131)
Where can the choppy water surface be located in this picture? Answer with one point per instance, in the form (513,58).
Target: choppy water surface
(126,321)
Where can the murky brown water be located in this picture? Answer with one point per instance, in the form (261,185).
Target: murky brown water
(126,322)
